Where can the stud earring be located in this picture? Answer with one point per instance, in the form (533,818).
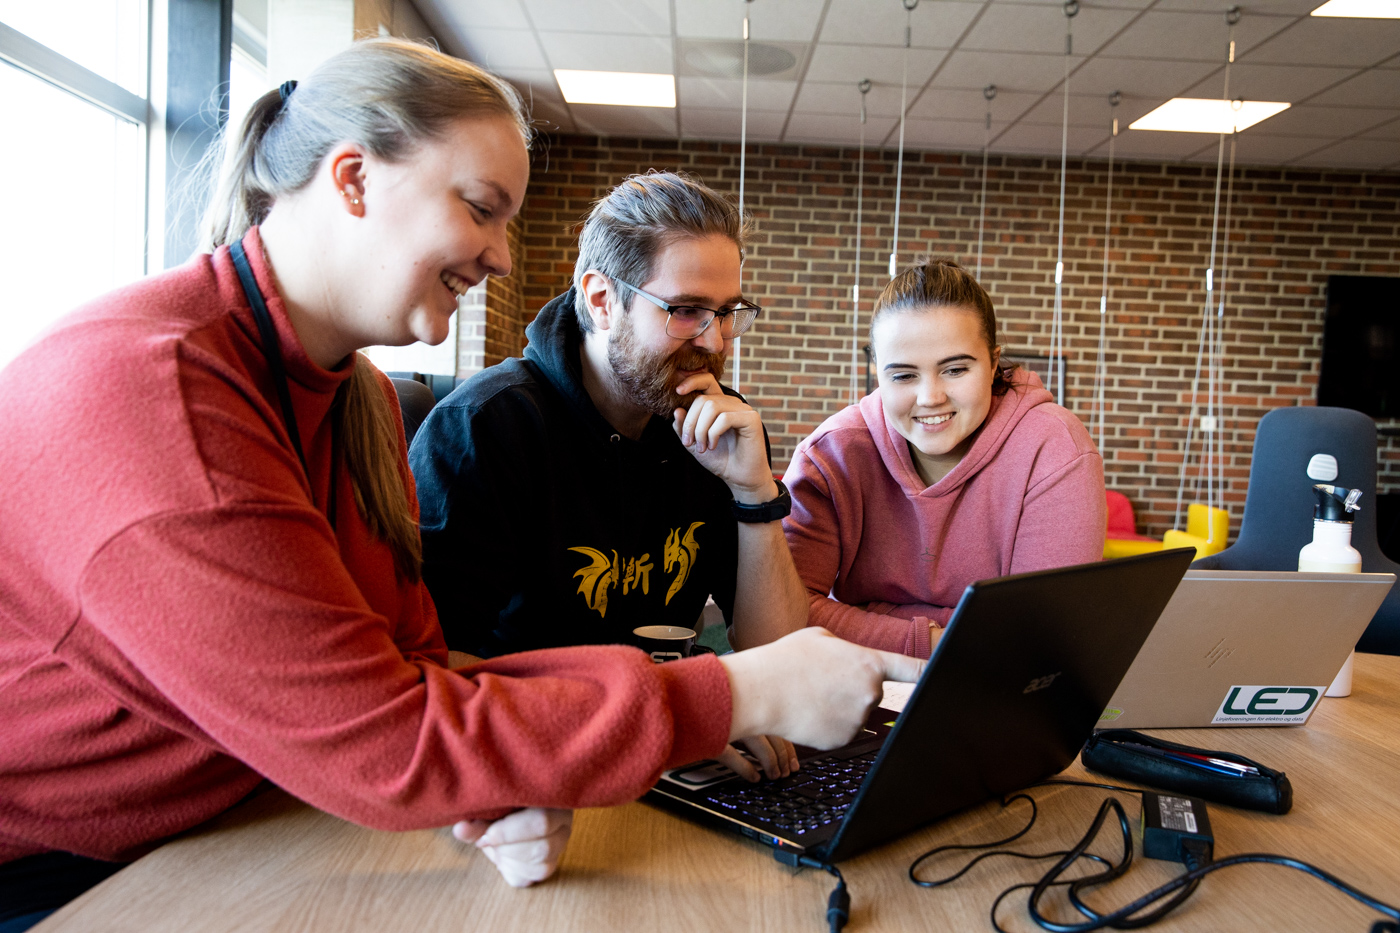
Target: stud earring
(353,200)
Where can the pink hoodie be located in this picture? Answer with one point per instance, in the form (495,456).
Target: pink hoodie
(865,530)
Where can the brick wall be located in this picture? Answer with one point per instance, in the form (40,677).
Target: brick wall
(492,317)
(1291,230)
(471,330)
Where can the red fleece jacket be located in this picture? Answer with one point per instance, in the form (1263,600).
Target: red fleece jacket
(179,620)
(897,554)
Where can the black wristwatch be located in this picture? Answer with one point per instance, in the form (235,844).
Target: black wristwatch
(769,511)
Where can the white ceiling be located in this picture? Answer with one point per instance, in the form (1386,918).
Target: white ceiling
(1341,75)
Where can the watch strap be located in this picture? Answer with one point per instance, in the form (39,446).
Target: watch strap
(770,511)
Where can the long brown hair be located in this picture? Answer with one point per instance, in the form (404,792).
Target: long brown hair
(942,283)
(387,95)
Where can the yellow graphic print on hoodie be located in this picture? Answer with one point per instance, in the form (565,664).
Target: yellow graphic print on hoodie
(605,573)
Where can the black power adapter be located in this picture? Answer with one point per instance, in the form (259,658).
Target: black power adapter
(1173,828)
(1176,829)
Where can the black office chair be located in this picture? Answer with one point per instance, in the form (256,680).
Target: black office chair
(441,385)
(1278,504)
(415,401)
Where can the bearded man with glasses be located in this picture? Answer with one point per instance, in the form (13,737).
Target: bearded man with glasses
(607,480)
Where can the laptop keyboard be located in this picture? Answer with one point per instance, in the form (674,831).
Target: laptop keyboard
(816,796)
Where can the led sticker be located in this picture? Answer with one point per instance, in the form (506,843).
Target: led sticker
(1267,705)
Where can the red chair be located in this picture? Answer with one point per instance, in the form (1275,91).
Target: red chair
(1121,538)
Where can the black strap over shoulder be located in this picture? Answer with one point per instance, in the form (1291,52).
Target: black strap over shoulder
(272,351)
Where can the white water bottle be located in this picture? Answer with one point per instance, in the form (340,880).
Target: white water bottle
(1331,552)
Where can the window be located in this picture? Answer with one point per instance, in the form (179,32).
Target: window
(440,360)
(247,78)
(73,93)
(107,37)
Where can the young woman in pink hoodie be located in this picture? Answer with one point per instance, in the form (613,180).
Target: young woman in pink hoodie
(954,470)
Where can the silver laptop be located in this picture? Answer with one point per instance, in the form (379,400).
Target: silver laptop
(1245,648)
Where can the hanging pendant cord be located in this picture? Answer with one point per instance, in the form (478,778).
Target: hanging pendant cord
(1101,370)
(1220,328)
(990,93)
(903,98)
(864,87)
(1207,345)
(1056,385)
(743,173)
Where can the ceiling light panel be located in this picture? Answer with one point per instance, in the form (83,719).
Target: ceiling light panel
(618,88)
(1360,9)
(1193,115)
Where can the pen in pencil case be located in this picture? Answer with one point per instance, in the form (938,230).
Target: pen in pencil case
(1228,768)
(1233,765)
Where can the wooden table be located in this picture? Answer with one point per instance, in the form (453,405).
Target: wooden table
(276,864)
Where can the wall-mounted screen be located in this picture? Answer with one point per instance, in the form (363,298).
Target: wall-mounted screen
(1361,345)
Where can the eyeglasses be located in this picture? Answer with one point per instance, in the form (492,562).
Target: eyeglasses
(686,322)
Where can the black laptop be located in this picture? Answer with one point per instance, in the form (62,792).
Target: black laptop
(1014,688)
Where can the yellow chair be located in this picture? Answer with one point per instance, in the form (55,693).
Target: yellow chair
(1207,530)
(1121,547)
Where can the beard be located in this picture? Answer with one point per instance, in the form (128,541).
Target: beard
(650,377)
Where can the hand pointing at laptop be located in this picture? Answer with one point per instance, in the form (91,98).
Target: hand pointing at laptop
(809,687)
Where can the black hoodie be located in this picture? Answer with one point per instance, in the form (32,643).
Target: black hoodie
(543,526)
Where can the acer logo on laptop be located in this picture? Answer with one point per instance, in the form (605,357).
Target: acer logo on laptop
(1267,705)
(1040,683)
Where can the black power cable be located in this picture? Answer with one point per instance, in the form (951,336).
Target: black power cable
(1122,919)
(1010,853)
(838,904)
(1196,855)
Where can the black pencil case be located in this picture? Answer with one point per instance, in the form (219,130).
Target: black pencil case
(1106,753)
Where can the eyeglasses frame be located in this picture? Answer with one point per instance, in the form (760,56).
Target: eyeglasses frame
(714,315)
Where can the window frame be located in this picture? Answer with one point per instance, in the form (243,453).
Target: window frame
(66,74)
(187,74)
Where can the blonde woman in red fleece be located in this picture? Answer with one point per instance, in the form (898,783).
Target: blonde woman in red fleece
(209,552)
(954,470)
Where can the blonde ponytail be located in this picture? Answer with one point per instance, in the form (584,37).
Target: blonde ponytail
(240,201)
(369,444)
(388,95)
